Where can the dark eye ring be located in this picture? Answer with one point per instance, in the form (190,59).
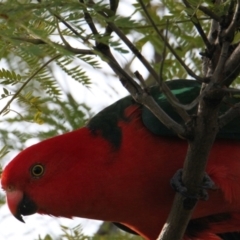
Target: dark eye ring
(37,170)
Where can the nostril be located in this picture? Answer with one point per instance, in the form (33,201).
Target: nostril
(9,188)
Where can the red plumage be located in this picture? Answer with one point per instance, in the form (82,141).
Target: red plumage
(85,175)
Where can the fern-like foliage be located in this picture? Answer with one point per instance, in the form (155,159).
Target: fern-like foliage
(41,38)
(76,233)
(57,116)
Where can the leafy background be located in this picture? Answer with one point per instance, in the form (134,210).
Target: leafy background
(52,79)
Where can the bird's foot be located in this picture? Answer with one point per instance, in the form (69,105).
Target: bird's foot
(190,199)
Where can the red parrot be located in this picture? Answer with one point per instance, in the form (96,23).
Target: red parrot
(118,169)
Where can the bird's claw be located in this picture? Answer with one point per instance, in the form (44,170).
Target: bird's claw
(177,183)
(190,199)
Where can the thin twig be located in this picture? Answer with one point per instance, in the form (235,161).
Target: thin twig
(173,100)
(160,78)
(28,80)
(163,24)
(167,92)
(141,96)
(232,67)
(123,37)
(205,10)
(208,12)
(61,36)
(68,48)
(113,8)
(213,39)
(141,80)
(218,72)
(107,55)
(200,31)
(228,34)
(232,91)
(189,71)
(89,21)
(194,164)
(136,91)
(228,116)
(198,26)
(68,25)
(65,23)
(134,50)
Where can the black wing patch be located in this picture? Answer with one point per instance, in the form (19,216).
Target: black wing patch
(106,121)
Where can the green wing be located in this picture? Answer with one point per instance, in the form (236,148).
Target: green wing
(186,91)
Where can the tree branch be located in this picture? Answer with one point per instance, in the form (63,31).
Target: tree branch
(193,170)
(209,13)
(188,70)
(232,67)
(198,26)
(66,47)
(135,90)
(199,147)
(228,116)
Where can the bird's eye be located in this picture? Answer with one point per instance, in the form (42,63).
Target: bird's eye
(37,170)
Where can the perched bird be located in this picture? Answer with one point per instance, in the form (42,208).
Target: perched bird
(118,169)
